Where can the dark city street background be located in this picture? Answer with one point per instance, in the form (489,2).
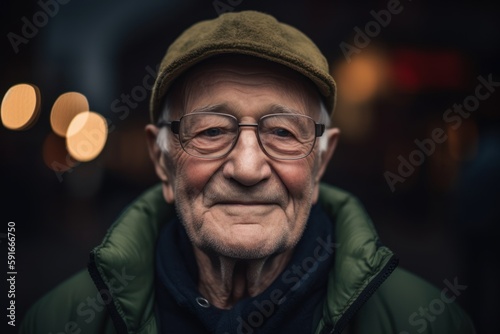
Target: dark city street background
(427,173)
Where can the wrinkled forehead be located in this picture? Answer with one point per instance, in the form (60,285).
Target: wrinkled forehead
(252,71)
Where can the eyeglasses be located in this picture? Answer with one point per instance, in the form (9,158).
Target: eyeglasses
(213,135)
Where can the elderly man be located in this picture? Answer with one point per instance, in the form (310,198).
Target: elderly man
(240,236)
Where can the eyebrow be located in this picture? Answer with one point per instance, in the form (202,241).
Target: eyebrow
(281,109)
(224,108)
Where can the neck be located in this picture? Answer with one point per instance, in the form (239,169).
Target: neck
(224,281)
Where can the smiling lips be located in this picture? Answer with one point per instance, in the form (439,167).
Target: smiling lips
(235,195)
(242,206)
(247,198)
(245,208)
(245,203)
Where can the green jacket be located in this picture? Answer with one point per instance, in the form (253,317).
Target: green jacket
(366,294)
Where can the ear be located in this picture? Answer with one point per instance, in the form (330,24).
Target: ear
(325,156)
(158,158)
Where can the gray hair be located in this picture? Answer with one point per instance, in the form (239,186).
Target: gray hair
(162,138)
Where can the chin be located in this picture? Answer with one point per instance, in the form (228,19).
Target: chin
(243,249)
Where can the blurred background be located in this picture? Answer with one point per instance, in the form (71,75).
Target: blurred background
(400,78)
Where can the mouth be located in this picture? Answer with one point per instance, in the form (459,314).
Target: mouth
(244,203)
(245,208)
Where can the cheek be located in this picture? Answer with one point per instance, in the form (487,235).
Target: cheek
(193,174)
(297,177)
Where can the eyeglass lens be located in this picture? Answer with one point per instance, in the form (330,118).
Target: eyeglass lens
(211,135)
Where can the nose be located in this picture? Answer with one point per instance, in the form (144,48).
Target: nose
(247,163)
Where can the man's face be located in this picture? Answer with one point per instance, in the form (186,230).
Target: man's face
(246,204)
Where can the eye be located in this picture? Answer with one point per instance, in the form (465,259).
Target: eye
(212,132)
(280,132)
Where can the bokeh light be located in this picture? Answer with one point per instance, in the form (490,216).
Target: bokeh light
(66,107)
(86,136)
(20,107)
(55,155)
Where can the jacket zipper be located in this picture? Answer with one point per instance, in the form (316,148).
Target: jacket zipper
(117,320)
(363,297)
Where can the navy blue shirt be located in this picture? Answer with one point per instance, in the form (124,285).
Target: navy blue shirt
(286,306)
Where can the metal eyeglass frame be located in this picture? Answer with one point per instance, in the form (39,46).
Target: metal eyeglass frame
(319,130)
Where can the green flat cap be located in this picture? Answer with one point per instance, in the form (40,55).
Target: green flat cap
(247,33)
